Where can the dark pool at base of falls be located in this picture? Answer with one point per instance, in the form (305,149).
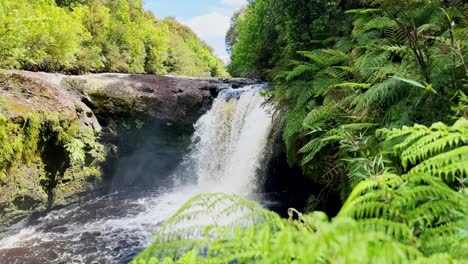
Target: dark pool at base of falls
(108,229)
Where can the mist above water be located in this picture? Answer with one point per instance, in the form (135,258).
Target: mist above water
(230,143)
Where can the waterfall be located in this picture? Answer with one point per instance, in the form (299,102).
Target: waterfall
(229,149)
(230,143)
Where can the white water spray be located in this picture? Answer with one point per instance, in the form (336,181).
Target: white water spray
(231,141)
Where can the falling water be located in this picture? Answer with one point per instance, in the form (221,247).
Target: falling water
(231,142)
(228,152)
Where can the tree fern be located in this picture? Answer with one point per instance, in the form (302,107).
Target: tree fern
(367,64)
(439,150)
(325,57)
(303,238)
(300,70)
(381,93)
(320,115)
(420,202)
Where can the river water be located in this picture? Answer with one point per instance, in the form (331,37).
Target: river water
(229,150)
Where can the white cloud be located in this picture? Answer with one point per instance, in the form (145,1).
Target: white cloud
(212,28)
(234,2)
(222,54)
(214,24)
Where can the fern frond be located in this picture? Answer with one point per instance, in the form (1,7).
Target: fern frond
(439,150)
(430,145)
(379,23)
(322,84)
(291,129)
(380,181)
(336,56)
(419,201)
(395,35)
(317,58)
(388,92)
(442,239)
(319,116)
(364,11)
(449,165)
(397,230)
(325,57)
(428,27)
(311,238)
(352,85)
(300,71)
(367,63)
(427,214)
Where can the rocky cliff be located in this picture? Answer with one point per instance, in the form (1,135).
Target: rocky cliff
(63,136)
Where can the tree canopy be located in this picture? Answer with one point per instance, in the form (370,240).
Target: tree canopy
(78,36)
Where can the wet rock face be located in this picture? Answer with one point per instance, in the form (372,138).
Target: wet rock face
(148,119)
(179,100)
(41,127)
(141,123)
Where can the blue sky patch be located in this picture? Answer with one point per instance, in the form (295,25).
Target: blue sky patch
(208,18)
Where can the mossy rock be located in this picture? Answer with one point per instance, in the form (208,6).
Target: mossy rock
(49,153)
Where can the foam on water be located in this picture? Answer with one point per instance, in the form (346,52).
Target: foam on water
(231,142)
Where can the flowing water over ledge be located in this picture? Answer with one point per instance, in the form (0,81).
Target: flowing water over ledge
(228,153)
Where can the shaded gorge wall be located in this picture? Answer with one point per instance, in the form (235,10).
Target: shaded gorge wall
(144,153)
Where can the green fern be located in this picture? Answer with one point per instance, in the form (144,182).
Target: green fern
(291,130)
(300,71)
(417,202)
(303,238)
(439,150)
(382,93)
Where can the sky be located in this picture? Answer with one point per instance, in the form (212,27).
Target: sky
(210,19)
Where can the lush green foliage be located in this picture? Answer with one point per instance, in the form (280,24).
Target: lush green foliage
(366,65)
(19,143)
(99,35)
(387,218)
(439,150)
(312,238)
(375,108)
(268,33)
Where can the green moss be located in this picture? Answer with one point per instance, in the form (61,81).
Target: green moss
(7,79)
(45,157)
(19,142)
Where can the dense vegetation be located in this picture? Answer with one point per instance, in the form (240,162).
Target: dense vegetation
(418,216)
(79,36)
(354,68)
(373,95)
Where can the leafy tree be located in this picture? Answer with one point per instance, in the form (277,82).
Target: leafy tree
(268,33)
(232,34)
(78,36)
